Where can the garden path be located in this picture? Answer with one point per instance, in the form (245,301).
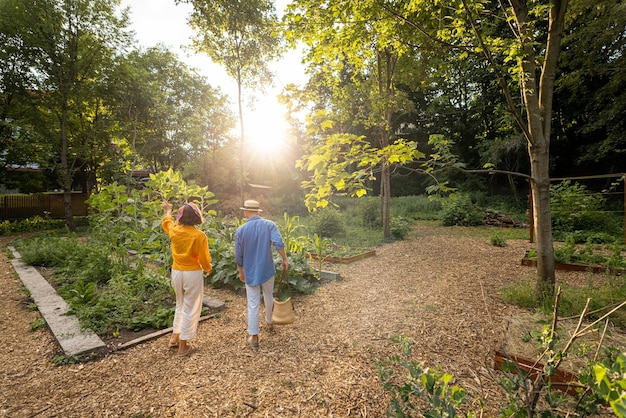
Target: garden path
(440,288)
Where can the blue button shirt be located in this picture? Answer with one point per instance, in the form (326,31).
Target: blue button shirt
(253,249)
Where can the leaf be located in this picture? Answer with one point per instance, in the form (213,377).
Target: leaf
(340,185)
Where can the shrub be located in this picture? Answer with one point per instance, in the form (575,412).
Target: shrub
(399,227)
(34,224)
(461,211)
(575,208)
(328,223)
(497,240)
(369,212)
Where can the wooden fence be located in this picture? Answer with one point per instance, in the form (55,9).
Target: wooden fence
(44,205)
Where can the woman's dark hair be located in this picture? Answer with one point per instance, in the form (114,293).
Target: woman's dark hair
(189,214)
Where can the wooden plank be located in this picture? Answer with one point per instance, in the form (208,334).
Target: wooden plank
(562,380)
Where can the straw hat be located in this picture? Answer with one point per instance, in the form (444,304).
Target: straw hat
(252,206)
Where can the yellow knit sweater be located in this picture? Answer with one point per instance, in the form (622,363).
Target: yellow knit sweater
(190,246)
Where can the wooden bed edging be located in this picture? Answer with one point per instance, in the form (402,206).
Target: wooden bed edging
(562,380)
(576,267)
(344,260)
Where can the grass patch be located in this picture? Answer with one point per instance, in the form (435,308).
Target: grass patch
(573,299)
(38,324)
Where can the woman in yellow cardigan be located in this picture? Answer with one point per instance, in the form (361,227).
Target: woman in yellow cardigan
(190,251)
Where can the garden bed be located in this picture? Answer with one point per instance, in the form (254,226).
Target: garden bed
(517,352)
(532,262)
(343,260)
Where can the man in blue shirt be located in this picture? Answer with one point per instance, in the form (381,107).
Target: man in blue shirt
(253,254)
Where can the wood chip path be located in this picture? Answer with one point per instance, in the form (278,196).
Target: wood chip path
(440,288)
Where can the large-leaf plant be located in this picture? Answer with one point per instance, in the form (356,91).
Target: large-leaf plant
(129,220)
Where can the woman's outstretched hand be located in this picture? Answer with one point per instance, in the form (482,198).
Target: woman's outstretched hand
(167,206)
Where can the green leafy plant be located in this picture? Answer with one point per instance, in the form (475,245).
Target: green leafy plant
(609,379)
(591,254)
(320,246)
(36,223)
(399,227)
(602,380)
(406,380)
(104,288)
(368,210)
(38,324)
(328,222)
(294,243)
(497,240)
(575,209)
(461,211)
(62,360)
(157,319)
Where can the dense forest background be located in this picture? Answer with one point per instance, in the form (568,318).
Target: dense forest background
(86,107)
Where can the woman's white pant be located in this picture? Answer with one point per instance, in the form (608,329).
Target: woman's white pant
(189,289)
(253,296)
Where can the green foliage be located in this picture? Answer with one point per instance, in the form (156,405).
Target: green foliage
(343,164)
(289,228)
(573,299)
(368,210)
(62,360)
(38,324)
(105,286)
(416,207)
(610,383)
(600,381)
(497,240)
(34,224)
(320,247)
(300,274)
(461,211)
(399,227)
(518,384)
(328,222)
(591,254)
(46,251)
(406,380)
(106,289)
(131,218)
(161,318)
(521,294)
(221,235)
(575,208)
(225,274)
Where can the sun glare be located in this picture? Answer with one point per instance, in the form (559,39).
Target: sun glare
(266,129)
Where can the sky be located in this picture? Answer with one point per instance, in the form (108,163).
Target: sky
(162,21)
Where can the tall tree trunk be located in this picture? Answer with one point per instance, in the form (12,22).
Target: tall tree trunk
(385,66)
(385,197)
(540,183)
(242,142)
(538,95)
(65,175)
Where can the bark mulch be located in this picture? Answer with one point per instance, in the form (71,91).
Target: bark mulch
(440,287)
